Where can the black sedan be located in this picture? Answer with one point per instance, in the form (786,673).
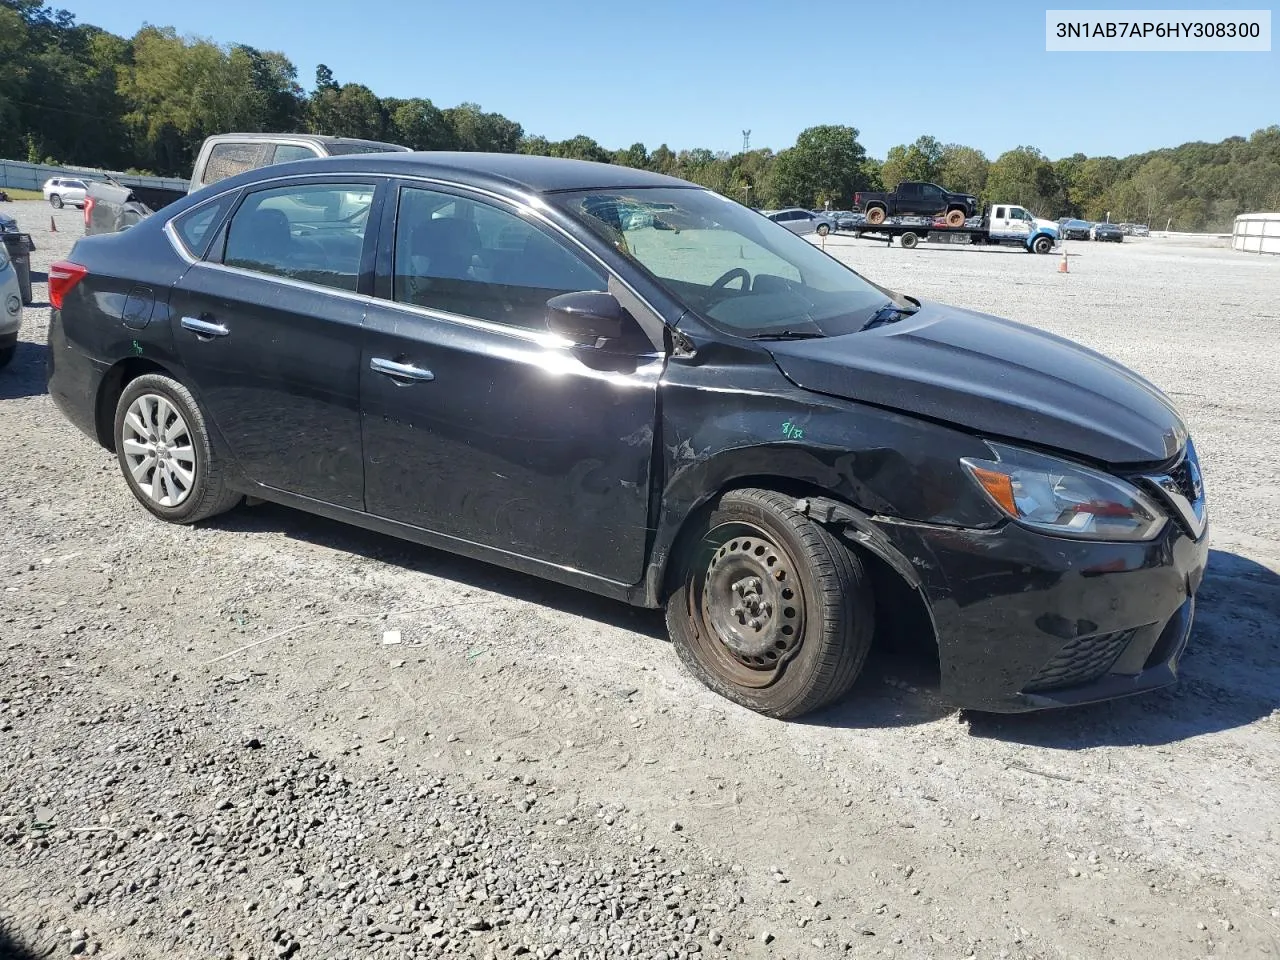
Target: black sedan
(506,357)
(1108,233)
(1075,229)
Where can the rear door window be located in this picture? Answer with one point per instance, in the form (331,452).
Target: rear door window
(195,227)
(310,232)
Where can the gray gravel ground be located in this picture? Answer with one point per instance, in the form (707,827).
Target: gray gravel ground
(528,772)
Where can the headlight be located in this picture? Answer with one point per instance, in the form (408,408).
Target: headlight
(1064,498)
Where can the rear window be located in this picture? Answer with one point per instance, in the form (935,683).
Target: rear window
(228,159)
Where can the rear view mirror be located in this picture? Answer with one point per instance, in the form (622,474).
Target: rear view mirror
(590,318)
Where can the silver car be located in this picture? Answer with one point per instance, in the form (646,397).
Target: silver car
(10,308)
(60,191)
(803,221)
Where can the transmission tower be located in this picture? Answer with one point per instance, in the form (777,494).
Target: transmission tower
(746,140)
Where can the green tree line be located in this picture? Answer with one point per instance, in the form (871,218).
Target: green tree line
(73,93)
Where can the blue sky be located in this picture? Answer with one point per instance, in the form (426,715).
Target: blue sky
(698,72)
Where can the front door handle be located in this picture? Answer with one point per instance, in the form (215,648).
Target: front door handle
(204,329)
(400,371)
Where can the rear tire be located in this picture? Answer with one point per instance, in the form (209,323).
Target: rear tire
(909,240)
(955,218)
(875,215)
(56,201)
(823,229)
(772,611)
(165,454)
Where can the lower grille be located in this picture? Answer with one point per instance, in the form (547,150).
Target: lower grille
(1081,660)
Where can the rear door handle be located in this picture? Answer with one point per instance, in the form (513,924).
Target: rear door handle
(400,371)
(204,329)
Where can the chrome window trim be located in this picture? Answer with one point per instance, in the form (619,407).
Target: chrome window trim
(475,323)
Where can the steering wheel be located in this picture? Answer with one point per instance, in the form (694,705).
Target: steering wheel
(731,275)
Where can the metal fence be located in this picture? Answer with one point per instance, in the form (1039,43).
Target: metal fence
(17,175)
(1257,233)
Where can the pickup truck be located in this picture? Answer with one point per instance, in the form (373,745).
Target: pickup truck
(111,206)
(1006,224)
(913,198)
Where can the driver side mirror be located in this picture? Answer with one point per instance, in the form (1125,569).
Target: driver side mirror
(590,318)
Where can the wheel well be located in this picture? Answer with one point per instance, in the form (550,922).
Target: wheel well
(902,614)
(113,384)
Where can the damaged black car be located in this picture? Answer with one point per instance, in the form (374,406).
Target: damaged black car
(629,384)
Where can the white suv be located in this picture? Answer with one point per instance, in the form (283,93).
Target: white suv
(60,191)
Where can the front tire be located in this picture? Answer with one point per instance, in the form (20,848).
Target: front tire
(56,201)
(909,240)
(875,215)
(1042,245)
(771,611)
(165,454)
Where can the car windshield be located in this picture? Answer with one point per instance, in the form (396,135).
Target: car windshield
(739,270)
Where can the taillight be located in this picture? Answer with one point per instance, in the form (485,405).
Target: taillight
(63,276)
(88,210)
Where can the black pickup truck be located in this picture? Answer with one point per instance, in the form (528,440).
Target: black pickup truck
(912,198)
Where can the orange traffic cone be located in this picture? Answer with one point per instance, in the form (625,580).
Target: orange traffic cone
(1062,267)
(53,224)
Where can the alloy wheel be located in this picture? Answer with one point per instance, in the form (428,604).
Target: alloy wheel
(159,450)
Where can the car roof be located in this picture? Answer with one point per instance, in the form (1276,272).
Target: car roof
(502,172)
(306,137)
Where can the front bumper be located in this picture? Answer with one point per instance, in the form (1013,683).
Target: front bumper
(1026,621)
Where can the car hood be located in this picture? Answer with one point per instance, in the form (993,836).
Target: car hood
(997,378)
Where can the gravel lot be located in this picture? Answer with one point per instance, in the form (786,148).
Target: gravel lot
(207,748)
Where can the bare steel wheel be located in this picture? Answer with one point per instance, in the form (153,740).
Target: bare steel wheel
(165,453)
(955,218)
(770,609)
(875,214)
(749,602)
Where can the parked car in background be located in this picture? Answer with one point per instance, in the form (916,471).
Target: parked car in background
(475,352)
(61,191)
(10,308)
(110,207)
(919,199)
(1072,229)
(1107,232)
(1141,230)
(846,219)
(803,222)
